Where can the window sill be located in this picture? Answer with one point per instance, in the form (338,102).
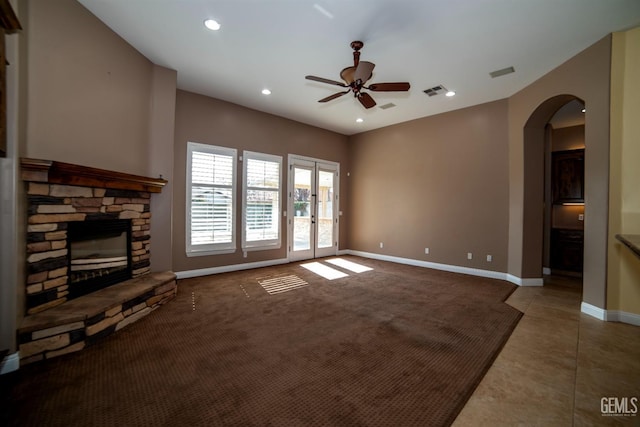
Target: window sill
(210,252)
(261,248)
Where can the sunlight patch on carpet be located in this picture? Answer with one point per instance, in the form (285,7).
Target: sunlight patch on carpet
(349,265)
(324,270)
(277,285)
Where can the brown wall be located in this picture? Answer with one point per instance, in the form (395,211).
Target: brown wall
(569,138)
(585,76)
(94,100)
(439,182)
(88,90)
(160,158)
(209,121)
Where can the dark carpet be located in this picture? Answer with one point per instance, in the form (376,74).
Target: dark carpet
(394,346)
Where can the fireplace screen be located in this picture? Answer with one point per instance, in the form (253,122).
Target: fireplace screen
(99,255)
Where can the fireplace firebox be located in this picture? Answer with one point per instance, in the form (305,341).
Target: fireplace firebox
(99,255)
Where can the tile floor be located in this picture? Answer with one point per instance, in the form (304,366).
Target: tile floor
(557,365)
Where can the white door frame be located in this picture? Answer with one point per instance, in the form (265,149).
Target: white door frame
(316,165)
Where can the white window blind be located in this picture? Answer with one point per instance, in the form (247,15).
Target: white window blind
(261,200)
(210,199)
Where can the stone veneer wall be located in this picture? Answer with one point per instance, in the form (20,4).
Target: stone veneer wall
(50,208)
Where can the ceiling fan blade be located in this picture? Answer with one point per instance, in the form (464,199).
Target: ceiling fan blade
(390,87)
(323,80)
(334,96)
(366,100)
(363,71)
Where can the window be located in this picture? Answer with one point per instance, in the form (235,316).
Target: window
(262,176)
(211,177)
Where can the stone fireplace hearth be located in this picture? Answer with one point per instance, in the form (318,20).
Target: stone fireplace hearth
(64,203)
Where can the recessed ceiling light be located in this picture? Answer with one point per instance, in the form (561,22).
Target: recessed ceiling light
(266,92)
(450,93)
(359,120)
(212,24)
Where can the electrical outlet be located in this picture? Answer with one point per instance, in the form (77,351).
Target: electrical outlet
(489,258)
(469,255)
(381,245)
(580,217)
(426,251)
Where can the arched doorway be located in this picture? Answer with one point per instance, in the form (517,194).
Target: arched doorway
(564,194)
(596,197)
(535,228)
(537,212)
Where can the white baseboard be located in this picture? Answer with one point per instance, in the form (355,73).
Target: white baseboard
(444,267)
(525,282)
(593,311)
(10,363)
(418,263)
(610,315)
(623,316)
(228,268)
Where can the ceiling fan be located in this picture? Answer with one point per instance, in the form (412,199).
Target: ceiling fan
(355,78)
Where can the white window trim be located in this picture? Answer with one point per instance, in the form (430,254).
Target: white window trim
(216,248)
(263,244)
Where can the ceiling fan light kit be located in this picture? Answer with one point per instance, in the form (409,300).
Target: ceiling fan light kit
(355,79)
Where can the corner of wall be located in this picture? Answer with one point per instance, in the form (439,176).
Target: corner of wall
(12,242)
(623,278)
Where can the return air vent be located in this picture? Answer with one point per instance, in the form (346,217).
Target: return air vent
(387,106)
(436,90)
(501,72)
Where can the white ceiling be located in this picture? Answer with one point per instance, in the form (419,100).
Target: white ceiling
(275,43)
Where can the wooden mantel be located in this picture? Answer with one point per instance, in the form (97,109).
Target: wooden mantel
(53,172)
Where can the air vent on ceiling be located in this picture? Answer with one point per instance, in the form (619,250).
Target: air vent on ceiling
(501,72)
(386,106)
(436,90)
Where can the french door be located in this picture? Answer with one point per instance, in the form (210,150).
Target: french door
(313,208)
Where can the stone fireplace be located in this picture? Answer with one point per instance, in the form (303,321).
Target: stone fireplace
(88,254)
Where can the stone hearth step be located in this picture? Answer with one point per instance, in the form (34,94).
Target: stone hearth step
(83,321)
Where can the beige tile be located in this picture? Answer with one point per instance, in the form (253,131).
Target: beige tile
(557,365)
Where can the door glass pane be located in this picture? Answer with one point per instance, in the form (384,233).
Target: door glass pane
(302,209)
(325,209)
